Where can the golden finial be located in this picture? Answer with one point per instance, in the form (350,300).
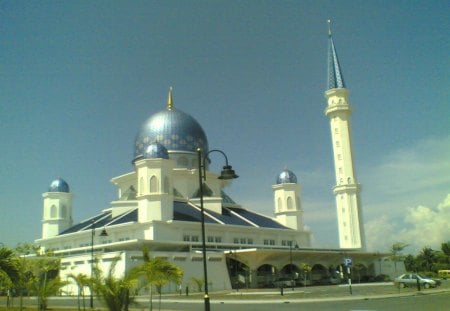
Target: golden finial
(329,27)
(170,100)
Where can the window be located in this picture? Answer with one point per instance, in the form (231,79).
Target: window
(336,130)
(210,239)
(186,238)
(339,156)
(250,241)
(218,239)
(272,242)
(53,211)
(338,144)
(243,241)
(290,204)
(236,241)
(340,170)
(266,242)
(153,184)
(194,238)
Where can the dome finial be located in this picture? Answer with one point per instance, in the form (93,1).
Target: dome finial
(170,100)
(329,27)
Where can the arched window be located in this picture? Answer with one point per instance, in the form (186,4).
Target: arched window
(280,204)
(141,185)
(153,184)
(166,185)
(63,211)
(182,162)
(349,180)
(290,203)
(53,211)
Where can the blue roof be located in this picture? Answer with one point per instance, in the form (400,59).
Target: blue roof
(183,211)
(335,78)
(59,185)
(286,177)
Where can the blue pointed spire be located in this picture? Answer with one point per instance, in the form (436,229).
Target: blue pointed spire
(335,78)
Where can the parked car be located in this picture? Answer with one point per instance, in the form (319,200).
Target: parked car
(410,280)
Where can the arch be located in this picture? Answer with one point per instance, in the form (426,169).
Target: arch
(280,204)
(266,275)
(360,273)
(53,211)
(166,185)
(349,180)
(153,184)
(141,185)
(182,161)
(290,203)
(319,273)
(63,211)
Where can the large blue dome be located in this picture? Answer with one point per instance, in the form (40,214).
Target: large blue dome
(174,129)
(286,177)
(59,185)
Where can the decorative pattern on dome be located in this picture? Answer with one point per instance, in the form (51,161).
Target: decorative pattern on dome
(156,151)
(59,185)
(174,129)
(286,177)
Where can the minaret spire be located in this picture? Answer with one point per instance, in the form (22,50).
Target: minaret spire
(347,189)
(170,100)
(335,77)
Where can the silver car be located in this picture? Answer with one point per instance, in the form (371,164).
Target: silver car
(410,280)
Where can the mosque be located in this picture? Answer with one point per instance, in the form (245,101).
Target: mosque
(158,206)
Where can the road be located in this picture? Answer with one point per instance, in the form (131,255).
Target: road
(434,302)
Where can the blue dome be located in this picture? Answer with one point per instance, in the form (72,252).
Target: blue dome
(156,151)
(286,177)
(59,185)
(174,129)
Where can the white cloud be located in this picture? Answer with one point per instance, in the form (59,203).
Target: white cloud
(422,226)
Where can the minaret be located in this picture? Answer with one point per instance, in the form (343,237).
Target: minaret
(347,189)
(288,209)
(57,214)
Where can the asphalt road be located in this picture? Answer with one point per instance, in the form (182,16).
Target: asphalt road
(432,302)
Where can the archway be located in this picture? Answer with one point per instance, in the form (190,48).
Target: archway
(319,274)
(266,275)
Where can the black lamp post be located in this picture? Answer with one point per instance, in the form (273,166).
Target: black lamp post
(103,233)
(290,258)
(227,173)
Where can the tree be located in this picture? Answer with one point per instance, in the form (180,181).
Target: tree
(396,253)
(157,273)
(115,292)
(9,270)
(82,280)
(306,269)
(198,282)
(426,258)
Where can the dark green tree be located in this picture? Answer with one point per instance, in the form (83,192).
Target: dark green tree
(426,259)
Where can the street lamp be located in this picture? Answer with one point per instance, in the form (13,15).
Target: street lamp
(290,267)
(227,173)
(103,233)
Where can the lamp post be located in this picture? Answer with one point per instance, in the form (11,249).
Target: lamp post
(290,267)
(227,173)
(103,233)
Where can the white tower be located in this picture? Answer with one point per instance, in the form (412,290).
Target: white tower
(288,210)
(57,213)
(154,180)
(347,189)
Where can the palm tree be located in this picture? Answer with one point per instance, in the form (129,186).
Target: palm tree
(115,292)
(159,272)
(426,258)
(9,270)
(82,280)
(396,253)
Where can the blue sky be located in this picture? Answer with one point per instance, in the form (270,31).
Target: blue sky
(78,78)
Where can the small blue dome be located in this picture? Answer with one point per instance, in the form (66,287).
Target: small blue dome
(286,177)
(59,185)
(156,151)
(174,129)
